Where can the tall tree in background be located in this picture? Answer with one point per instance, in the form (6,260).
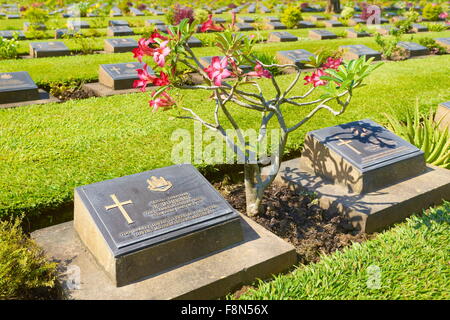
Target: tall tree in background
(333,6)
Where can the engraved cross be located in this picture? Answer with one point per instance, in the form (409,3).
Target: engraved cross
(347,143)
(115,69)
(120,205)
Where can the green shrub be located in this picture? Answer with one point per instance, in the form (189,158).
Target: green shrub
(291,16)
(36,15)
(432,11)
(268,59)
(8,48)
(200,15)
(347,13)
(436,27)
(389,48)
(24,270)
(425,134)
(432,45)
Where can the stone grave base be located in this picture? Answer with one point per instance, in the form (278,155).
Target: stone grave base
(101,90)
(44,97)
(374,211)
(259,256)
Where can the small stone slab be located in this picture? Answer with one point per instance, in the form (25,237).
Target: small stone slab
(383,20)
(48,49)
(219,20)
(120,45)
(332,23)
(9,34)
(373,211)
(115,12)
(444,42)
(318,34)
(27,26)
(119,76)
(154,22)
(413,49)
(77,24)
(161,28)
(386,30)
(281,36)
(275,26)
(142,224)
(246,19)
(356,51)
(118,23)
(136,12)
(362,156)
(298,57)
(193,42)
(352,33)
(63,33)
(306,24)
(315,18)
(354,21)
(259,256)
(119,31)
(264,9)
(17,86)
(244,27)
(419,28)
(273,19)
(12,16)
(443,115)
(335,17)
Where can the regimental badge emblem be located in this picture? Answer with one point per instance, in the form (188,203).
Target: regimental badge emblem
(6,76)
(158,184)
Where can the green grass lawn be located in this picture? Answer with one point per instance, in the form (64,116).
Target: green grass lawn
(412,259)
(45,70)
(47,150)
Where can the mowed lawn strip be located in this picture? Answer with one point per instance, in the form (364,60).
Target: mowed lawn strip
(409,261)
(48,150)
(46,70)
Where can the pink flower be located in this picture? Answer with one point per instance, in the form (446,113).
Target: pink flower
(161,53)
(163,80)
(209,25)
(443,15)
(218,70)
(143,49)
(144,78)
(157,35)
(332,63)
(314,78)
(161,102)
(260,72)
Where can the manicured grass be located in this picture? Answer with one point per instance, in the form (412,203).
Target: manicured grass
(45,70)
(47,150)
(412,259)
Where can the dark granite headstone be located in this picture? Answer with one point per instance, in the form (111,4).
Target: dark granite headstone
(48,49)
(361,155)
(332,23)
(419,28)
(354,21)
(144,223)
(297,57)
(352,33)
(118,23)
(193,42)
(306,24)
(120,76)
(442,115)
(27,26)
(444,42)
(356,51)
(413,49)
(77,24)
(120,45)
(244,27)
(281,36)
(64,33)
(136,12)
(264,9)
(273,19)
(9,34)
(119,31)
(154,22)
(246,19)
(219,20)
(116,12)
(16,87)
(318,34)
(386,30)
(315,18)
(275,26)
(13,16)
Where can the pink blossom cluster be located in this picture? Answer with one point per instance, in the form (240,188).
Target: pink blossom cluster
(315,79)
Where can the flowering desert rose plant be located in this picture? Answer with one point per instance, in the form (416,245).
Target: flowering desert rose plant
(229,85)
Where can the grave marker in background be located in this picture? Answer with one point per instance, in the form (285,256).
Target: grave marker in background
(297,57)
(120,45)
(120,76)
(48,49)
(321,34)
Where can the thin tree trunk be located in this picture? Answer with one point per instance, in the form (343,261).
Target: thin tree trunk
(253,192)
